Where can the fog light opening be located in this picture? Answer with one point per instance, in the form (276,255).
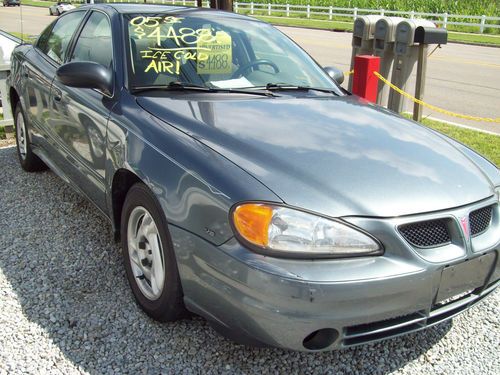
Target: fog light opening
(320,339)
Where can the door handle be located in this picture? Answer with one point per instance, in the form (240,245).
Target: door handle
(57,95)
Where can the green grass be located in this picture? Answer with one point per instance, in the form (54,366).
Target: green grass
(25,37)
(2,130)
(302,22)
(486,144)
(474,38)
(44,4)
(34,3)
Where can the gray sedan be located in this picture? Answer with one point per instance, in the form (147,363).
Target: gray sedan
(247,186)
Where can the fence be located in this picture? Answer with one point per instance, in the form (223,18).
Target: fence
(206,3)
(349,14)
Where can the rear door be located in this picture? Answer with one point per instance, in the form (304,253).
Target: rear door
(81,114)
(39,69)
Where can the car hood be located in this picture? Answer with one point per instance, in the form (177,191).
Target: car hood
(339,156)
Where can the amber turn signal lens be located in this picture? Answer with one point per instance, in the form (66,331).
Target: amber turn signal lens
(252,222)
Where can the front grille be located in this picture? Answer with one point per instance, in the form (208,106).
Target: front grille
(480,220)
(364,333)
(432,233)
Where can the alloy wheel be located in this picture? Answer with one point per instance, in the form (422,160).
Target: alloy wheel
(145,253)
(21,135)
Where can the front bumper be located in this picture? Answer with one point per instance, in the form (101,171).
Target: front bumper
(282,302)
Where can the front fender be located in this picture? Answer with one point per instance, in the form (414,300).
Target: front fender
(195,185)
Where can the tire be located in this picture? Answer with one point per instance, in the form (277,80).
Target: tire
(163,301)
(50,12)
(28,160)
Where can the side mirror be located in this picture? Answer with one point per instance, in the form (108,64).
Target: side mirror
(86,74)
(335,73)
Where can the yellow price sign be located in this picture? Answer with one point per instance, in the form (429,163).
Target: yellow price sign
(215,57)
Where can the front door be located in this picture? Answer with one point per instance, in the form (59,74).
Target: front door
(81,115)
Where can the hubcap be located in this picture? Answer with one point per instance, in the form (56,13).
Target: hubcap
(145,253)
(21,135)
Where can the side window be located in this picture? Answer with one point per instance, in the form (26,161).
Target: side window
(94,43)
(41,43)
(55,44)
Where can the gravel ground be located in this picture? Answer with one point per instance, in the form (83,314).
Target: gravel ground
(65,307)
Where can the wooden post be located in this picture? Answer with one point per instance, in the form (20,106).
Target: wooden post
(228,5)
(420,84)
(222,5)
(483,22)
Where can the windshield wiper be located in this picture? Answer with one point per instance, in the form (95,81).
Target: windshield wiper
(286,86)
(173,86)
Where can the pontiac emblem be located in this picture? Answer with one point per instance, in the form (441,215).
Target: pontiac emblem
(464,223)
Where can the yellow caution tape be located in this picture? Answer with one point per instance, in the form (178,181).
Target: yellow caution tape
(433,107)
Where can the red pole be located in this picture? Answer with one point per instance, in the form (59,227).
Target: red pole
(364,82)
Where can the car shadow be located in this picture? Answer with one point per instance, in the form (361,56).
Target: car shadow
(58,255)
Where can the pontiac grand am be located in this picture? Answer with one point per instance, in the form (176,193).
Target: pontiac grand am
(247,186)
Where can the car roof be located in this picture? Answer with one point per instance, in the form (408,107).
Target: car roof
(139,8)
(152,8)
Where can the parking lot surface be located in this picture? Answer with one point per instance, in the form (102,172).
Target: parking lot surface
(66,307)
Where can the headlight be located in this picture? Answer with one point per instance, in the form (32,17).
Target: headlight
(281,231)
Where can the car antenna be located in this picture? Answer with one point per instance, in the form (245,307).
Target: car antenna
(21,14)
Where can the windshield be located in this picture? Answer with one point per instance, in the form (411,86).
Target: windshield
(209,50)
